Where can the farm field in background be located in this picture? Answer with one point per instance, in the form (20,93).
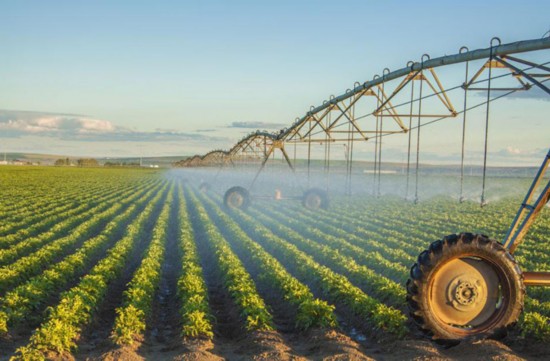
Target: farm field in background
(130,263)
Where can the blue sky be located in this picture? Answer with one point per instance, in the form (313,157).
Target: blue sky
(179,77)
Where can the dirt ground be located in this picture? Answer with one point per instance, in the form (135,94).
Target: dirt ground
(323,345)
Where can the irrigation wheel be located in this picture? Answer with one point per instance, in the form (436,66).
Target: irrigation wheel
(315,198)
(465,286)
(237,197)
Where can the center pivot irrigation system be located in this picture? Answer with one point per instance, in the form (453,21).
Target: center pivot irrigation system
(465,285)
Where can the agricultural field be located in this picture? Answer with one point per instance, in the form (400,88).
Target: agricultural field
(110,264)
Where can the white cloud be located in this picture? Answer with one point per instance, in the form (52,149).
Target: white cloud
(46,123)
(15,124)
(512,150)
(96,125)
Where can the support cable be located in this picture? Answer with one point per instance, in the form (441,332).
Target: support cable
(418,133)
(329,120)
(376,140)
(347,153)
(409,143)
(461,198)
(294,160)
(379,183)
(487,112)
(380,157)
(351,165)
(325,168)
(350,151)
(309,157)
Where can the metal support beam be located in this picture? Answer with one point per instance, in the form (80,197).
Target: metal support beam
(527,212)
(506,49)
(528,76)
(536,279)
(261,168)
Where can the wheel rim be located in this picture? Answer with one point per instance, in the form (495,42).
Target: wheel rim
(313,201)
(467,295)
(235,199)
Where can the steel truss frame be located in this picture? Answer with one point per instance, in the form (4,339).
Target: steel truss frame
(336,120)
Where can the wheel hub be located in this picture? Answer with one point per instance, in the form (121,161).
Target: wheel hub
(313,201)
(465,292)
(235,200)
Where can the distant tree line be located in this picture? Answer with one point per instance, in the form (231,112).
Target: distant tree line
(62,162)
(82,162)
(87,162)
(121,164)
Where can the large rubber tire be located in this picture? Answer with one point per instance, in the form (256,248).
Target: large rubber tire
(315,198)
(465,286)
(237,197)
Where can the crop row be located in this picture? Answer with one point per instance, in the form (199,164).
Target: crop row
(22,207)
(374,259)
(336,287)
(32,192)
(28,299)
(328,251)
(192,290)
(235,278)
(76,307)
(30,265)
(138,297)
(311,312)
(58,230)
(24,223)
(37,217)
(53,219)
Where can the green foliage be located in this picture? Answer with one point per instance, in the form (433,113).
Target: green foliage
(192,291)
(238,282)
(77,305)
(335,286)
(536,325)
(67,226)
(130,322)
(138,297)
(22,302)
(310,312)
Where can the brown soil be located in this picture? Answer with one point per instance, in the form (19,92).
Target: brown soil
(198,349)
(330,345)
(317,345)
(122,353)
(467,351)
(270,345)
